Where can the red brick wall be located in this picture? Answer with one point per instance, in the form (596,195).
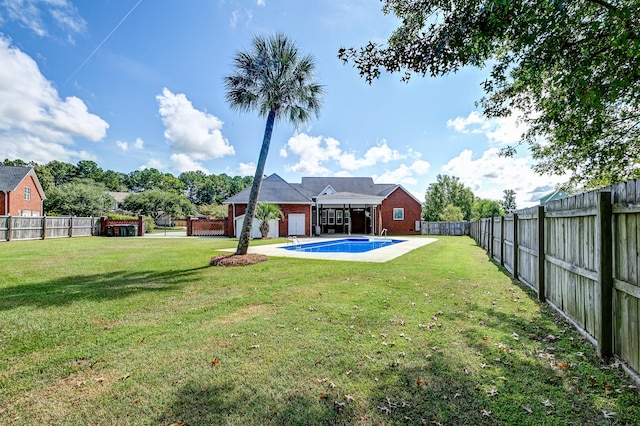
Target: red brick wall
(287,209)
(283,224)
(2,212)
(17,203)
(412,212)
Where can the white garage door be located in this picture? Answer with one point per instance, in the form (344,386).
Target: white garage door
(296,223)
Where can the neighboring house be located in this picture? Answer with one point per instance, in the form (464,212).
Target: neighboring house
(20,192)
(555,195)
(119,197)
(333,205)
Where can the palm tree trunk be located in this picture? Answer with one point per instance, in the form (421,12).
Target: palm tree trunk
(245,235)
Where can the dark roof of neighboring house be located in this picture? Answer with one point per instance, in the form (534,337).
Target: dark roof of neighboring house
(11,176)
(555,195)
(273,189)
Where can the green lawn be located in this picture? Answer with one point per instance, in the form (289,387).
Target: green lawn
(115,331)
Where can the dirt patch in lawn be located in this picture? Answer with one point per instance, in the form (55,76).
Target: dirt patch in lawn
(237,259)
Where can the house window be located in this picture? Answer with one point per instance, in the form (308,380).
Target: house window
(338,217)
(27,193)
(324,217)
(332,217)
(398,213)
(346,217)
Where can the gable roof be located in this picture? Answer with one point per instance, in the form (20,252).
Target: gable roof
(555,195)
(11,176)
(274,190)
(314,186)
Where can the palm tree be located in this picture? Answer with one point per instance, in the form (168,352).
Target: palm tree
(266,212)
(275,81)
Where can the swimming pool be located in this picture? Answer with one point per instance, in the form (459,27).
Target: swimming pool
(345,245)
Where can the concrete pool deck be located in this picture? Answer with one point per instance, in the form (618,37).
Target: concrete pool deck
(383,254)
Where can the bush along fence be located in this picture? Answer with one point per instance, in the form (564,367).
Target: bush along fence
(581,255)
(39,228)
(207,227)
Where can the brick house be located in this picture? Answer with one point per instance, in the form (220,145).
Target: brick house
(333,205)
(20,192)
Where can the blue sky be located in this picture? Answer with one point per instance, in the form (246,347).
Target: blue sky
(132,84)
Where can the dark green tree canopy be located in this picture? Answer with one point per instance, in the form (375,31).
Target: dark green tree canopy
(571,67)
(486,208)
(81,197)
(448,190)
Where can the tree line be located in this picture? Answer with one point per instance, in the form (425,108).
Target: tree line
(83,189)
(448,200)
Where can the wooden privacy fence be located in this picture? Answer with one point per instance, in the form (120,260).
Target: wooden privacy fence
(581,255)
(445,228)
(39,228)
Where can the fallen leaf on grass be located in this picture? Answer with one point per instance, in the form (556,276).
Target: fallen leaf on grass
(486,413)
(527,409)
(419,382)
(98,379)
(547,403)
(492,392)
(255,346)
(324,396)
(215,362)
(126,376)
(608,414)
(349,399)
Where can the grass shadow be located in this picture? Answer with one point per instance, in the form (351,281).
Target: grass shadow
(94,287)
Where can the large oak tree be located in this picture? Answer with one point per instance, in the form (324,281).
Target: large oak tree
(572,67)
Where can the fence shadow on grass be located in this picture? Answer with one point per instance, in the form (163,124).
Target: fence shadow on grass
(107,286)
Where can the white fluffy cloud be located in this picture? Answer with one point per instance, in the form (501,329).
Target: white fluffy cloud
(30,15)
(404,175)
(35,124)
(194,133)
(138,144)
(498,130)
(246,169)
(316,153)
(184,163)
(489,175)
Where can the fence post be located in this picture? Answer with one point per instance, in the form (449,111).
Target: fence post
(491,238)
(9,231)
(605,275)
(140,225)
(70,226)
(189,218)
(501,240)
(542,296)
(44,227)
(516,248)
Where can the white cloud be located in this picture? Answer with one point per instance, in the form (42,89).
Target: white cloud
(138,144)
(313,151)
(35,124)
(462,124)
(260,2)
(184,163)
(505,130)
(377,154)
(154,163)
(404,175)
(192,132)
(316,153)
(29,13)
(246,169)
(489,175)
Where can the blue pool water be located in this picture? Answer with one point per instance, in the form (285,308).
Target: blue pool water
(347,245)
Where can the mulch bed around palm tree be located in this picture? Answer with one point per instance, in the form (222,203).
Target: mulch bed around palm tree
(237,259)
